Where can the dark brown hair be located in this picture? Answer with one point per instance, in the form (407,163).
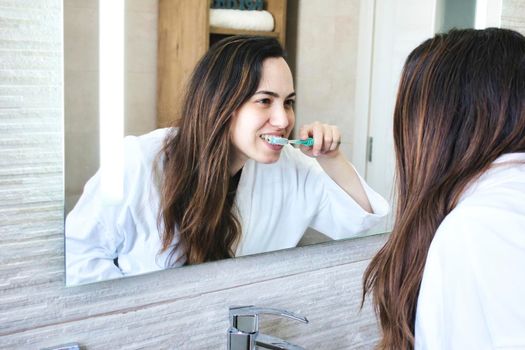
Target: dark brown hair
(460,105)
(197,194)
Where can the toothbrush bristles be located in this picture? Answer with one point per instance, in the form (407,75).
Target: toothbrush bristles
(275,140)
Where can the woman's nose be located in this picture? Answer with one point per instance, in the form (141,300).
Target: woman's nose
(280,118)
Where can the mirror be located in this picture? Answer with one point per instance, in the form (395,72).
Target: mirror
(338,80)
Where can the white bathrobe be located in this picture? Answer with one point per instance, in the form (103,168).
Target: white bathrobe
(276,203)
(472,294)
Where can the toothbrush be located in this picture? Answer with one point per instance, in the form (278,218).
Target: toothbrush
(309,142)
(276,140)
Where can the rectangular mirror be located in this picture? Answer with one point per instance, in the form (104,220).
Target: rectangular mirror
(330,52)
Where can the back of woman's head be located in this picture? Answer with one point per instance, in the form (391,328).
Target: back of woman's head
(197,199)
(460,105)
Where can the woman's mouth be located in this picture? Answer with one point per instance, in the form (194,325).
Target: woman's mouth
(274,142)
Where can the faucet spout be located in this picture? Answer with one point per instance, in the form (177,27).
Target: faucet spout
(243,333)
(274,343)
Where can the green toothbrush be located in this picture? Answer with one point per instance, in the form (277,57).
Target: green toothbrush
(276,140)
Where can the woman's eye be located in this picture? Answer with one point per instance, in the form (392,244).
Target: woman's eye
(289,103)
(264,101)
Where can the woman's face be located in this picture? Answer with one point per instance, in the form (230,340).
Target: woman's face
(268,112)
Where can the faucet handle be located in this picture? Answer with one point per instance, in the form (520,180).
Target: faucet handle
(246,318)
(243,333)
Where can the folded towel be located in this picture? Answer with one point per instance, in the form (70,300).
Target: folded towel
(242,19)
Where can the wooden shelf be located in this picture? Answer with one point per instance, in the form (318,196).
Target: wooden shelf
(228,31)
(184,35)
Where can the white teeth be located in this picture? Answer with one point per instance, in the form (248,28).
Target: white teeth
(274,140)
(267,136)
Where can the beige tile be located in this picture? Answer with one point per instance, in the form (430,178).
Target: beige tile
(141,42)
(140,103)
(150,6)
(81,158)
(80,39)
(81,101)
(81,4)
(326,64)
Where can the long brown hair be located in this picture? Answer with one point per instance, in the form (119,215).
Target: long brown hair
(197,193)
(460,105)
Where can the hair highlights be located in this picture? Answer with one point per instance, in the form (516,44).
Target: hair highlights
(460,105)
(196,188)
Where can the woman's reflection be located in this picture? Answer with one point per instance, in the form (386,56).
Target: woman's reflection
(212,186)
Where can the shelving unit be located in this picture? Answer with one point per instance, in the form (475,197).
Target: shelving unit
(184,35)
(228,31)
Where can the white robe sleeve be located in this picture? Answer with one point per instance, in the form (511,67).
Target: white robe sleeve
(92,239)
(340,216)
(95,230)
(337,214)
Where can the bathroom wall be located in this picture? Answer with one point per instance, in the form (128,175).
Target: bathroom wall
(322,41)
(176,309)
(81,71)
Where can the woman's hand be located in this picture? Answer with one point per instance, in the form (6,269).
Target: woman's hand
(327,139)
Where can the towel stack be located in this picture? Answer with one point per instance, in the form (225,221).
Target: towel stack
(242,20)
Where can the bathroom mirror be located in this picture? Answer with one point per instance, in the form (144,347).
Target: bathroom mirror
(332,69)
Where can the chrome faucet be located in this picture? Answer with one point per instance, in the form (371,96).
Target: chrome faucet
(243,333)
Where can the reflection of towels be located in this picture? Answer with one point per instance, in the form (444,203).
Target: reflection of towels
(239,19)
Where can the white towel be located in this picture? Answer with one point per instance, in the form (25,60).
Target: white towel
(242,19)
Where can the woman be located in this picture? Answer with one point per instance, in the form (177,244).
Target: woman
(219,189)
(451,275)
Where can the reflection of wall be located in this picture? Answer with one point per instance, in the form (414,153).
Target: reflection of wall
(322,44)
(81,81)
(81,96)
(323,57)
(141,66)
